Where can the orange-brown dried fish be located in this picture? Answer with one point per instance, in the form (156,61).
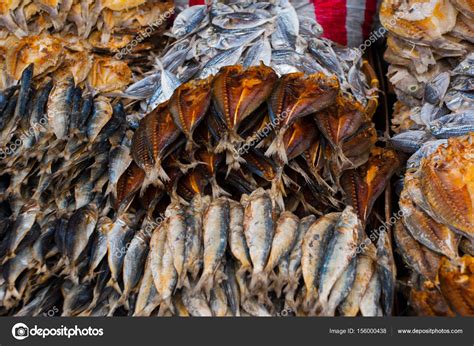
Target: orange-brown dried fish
(418,20)
(189,105)
(108,74)
(340,120)
(298,138)
(364,185)
(418,257)
(128,184)
(428,301)
(43,51)
(457,284)
(237,92)
(434,235)
(154,136)
(447,182)
(297,95)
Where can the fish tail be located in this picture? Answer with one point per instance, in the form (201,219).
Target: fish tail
(277,147)
(217,191)
(160,173)
(258,279)
(114,284)
(111,190)
(12,293)
(204,283)
(243,269)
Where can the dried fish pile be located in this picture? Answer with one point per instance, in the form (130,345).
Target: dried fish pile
(248,33)
(58,58)
(104,22)
(214,257)
(246,128)
(437,204)
(424,40)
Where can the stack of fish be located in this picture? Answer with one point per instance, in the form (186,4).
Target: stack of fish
(246,128)
(447,111)
(437,204)
(102,21)
(424,40)
(214,257)
(58,58)
(248,33)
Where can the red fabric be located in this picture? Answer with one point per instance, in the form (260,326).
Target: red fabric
(370,9)
(332,17)
(196,2)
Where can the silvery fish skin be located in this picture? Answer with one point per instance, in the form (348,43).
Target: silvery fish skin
(258,230)
(457,100)
(12,270)
(215,232)
(370,303)
(294,260)
(119,159)
(196,303)
(232,289)
(240,20)
(259,52)
(466,67)
(59,107)
(437,88)
(313,248)
(409,141)
(80,227)
(387,272)
(169,83)
(341,249)
(147,297)
(117,240)
(225,58)
(101,114)
(427,149)
(157,249)
(99,245)
(237,242)
(218,301)
(76,297)
(22,225)
(134,262)
(168,276)
(233,40)
(341,288)
(176,236)
(364,271)
(326,55)
(194,250)
(287,29)
(462,83)
(44,247)
(189,20)
(454,124)
(283,240)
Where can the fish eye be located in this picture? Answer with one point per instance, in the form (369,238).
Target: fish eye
(413,88)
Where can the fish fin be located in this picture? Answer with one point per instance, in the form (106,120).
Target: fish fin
(217,191)
(205,283)
(257,280)
(114,284)
(277,148)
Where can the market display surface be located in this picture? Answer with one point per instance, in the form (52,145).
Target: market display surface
(230,165)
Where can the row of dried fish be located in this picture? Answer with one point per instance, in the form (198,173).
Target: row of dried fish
(246,127)
(213,257)
(437,204)
(59,145)
(424,40)
(249,33)
(58,58)
(105,21)
(447,111)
